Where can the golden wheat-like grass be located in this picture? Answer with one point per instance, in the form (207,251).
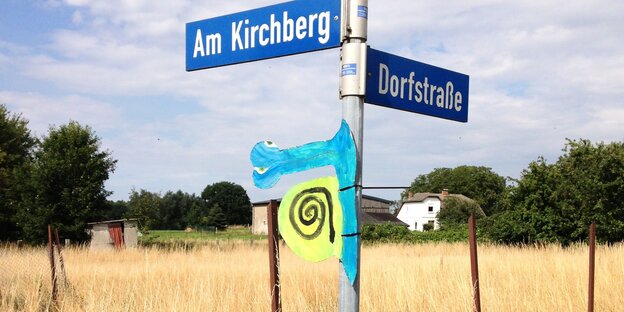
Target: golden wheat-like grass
(233,276)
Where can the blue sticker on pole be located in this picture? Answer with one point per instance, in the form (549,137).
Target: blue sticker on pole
(278,30)
(349,69)
(362,11)
(396,82)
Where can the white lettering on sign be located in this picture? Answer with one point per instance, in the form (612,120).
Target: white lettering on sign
(247,36)
(212,46)
(418,91)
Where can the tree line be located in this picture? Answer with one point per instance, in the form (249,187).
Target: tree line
(219,205)
(550,202)
(58,179)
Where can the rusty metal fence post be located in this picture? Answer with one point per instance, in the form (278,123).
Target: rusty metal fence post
(592,265)
(474,264)
(60,255)
(276,301)
(52,264)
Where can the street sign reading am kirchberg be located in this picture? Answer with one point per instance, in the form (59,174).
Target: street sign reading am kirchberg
(277,30)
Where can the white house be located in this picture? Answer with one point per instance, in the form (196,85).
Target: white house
(422,208)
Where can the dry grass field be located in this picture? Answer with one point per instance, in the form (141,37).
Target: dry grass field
(233,276)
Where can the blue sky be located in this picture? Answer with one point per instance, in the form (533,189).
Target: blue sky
(540,72)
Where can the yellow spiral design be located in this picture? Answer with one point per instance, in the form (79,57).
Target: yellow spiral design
(310,219)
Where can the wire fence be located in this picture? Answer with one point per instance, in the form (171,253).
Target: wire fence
(24,268)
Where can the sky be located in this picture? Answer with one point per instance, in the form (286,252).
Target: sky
(540,72)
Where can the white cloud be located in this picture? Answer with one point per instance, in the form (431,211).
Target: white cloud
(540,71)
(77,17)
(12,48)
(43,111)
(47,4)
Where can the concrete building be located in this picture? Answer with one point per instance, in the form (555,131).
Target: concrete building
(114,234)
(422,208)
(375,211)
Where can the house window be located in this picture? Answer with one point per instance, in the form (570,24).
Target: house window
(430,208)
(415,225)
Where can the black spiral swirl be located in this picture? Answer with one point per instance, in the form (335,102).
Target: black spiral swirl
(312,206)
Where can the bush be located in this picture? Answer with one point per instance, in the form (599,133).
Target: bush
(456,211)
(384,233)
(390,233)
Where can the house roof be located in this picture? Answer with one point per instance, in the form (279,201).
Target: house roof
(111,221)
(379,199)
(420,197)
(380,218)
(266,202)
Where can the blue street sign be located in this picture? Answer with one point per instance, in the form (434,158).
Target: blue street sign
(412,86)
(277,30)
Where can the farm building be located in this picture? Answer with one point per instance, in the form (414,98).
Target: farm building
(422,208)
(375,211)
(114,234)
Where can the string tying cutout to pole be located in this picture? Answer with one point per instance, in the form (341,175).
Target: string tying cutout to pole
(374,187)
(349,187)
(352,234)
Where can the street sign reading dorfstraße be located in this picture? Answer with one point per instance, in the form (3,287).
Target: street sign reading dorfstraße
(416,87)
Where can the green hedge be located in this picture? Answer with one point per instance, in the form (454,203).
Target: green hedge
(389,233)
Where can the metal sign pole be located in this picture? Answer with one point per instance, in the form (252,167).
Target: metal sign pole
(352,91)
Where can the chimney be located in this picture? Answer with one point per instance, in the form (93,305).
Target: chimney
(445,192)
(410,195)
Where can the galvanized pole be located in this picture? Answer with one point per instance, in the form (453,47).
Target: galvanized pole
(276,301)
(592,267)
(474,262)
(352,91)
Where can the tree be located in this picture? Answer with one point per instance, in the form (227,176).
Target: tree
(115,210)
(535,204)
(536,216)
(172,211)
(511,227)
(145,206)
(592,188)
(67,179)
(216,217)
(232,199)
(479,183)
(455,211)
(176,208)
(197,213)
(557,202)
(16,154)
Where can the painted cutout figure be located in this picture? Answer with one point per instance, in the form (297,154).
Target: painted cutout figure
(270,163)
(310,219)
